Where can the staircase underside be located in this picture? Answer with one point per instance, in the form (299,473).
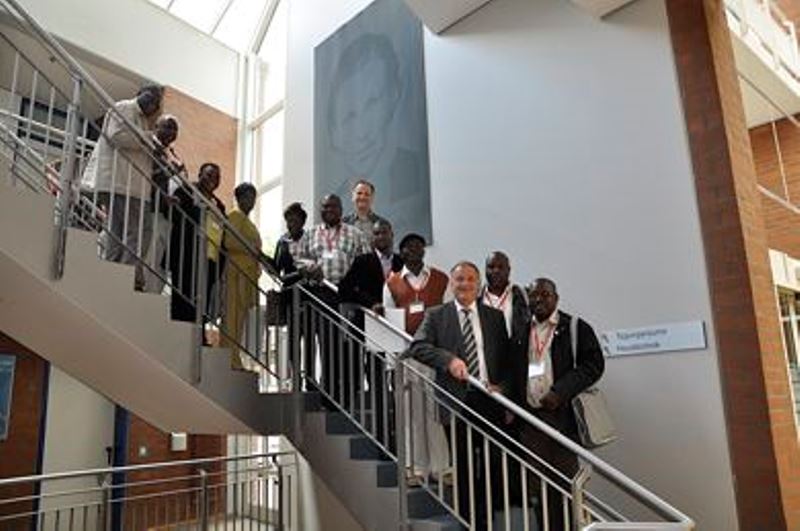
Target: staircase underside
(92,325)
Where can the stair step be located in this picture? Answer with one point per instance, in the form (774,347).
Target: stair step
(363,449)
(421,505)
(338,424)
(444,522)
(387,474)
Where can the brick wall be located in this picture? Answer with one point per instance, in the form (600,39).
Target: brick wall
(762,440)
(783,223)
(19,453)
(206,135)
(182,505)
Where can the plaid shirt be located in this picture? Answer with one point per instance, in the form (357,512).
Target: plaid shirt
(333,249)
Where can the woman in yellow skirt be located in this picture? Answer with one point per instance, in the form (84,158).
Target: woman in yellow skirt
(241,273)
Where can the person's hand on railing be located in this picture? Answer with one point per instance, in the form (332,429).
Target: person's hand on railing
(314,272)
(379,309)
(458,369)
(550,401)
(493,388)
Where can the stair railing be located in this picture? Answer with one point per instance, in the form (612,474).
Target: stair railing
(158,227)
(425,430)
(241,491)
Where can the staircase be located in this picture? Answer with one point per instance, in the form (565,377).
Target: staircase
(60,299)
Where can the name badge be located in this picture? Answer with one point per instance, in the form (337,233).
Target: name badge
(416,307)
(330,255)
(536,370)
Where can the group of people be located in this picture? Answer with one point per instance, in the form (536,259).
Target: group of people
(162,224)
(514,340)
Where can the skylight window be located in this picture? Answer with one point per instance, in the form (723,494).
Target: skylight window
(233,22)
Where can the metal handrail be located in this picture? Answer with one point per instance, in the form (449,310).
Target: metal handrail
(138,468)
(611,473)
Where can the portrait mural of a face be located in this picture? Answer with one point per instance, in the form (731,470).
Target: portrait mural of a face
(370,114)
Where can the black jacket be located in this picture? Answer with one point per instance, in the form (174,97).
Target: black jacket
(363,283)
(569,379)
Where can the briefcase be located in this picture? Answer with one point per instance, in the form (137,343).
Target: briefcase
(595,427)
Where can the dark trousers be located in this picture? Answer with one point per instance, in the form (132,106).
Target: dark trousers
(338,352)
(558,457)
(474,483)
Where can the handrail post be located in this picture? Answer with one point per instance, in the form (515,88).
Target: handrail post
(202,504)
(400,442)
(294,332)
(279,482)
(577,487)
(200,291)
(65,199)
(105,517)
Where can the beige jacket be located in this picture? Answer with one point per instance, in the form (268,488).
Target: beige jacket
(133,164)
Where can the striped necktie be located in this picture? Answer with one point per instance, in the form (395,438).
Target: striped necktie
(470,346)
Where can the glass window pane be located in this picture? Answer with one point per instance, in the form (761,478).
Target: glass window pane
(273,53)
(160,3)
(784,301)
(199,13)
(270,217)
(238,25)
(270,149)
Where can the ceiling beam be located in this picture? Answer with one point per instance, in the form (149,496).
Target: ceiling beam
(438,15)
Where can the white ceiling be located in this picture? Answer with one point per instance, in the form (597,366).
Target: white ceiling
(438,15)
(601,8)
(120,84)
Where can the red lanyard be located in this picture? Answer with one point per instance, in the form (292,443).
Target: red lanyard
(501,304)
(329,241)
(540,346)
(421,287)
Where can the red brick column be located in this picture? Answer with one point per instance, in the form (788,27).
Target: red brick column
(762,439)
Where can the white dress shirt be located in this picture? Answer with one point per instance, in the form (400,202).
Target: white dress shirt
(417,282)
(483,373)
(504,303)
(540,385)
(386,262)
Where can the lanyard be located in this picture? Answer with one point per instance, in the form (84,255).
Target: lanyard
(421,287)
(540,346)
(330,241)
(487,297)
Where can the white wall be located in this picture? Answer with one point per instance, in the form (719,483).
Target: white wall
(78,428)
(560,139)
(79,425)
(143,38)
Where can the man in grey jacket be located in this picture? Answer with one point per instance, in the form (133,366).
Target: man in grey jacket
(118,174)
(463,339)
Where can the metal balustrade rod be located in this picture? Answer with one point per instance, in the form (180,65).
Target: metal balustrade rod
(64,200)
(200,294)
(402,486)
(577,487)
(202,507)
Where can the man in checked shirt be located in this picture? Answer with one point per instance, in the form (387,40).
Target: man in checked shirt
(326,253)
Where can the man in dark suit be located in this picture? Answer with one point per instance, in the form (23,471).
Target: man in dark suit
(551,376)
(362,287)
(460,339)
(363,283)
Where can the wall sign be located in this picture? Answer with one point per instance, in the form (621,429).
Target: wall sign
(653,339)
(6,386)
